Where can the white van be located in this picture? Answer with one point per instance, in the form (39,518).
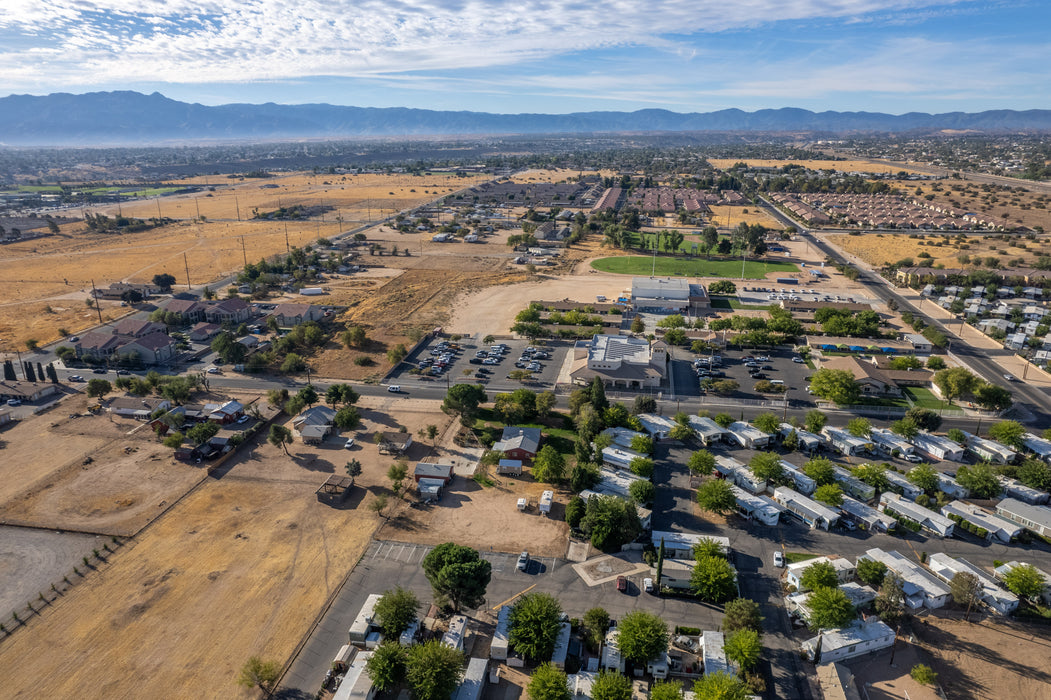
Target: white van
(777,382)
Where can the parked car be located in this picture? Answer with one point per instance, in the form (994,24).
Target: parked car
(523,561)
(349,444)
(76,378)
(243,419)
(779,559)
(98,370)
(799,360)
(394,388)
(622,584)
(14,402)
(647,585)
(912,458)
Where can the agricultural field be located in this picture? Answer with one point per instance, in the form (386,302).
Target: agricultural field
(879,249)
(643,265)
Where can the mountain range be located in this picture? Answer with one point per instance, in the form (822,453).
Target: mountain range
(126,117)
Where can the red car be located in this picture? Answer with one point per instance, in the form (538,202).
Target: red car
(622,584)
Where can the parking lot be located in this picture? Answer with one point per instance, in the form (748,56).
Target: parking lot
(778,365)
(812,291)
(471,360)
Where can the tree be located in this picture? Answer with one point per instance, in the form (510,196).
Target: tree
(905,427)
(1035,473)
(666,690)
(575,510)
(859,427)
(871,572)
(979,479)
(743,647)
(535,621)
(386,666)
(836,385)
(643,444)
(831,494)
(173,440)
(875,475)
(819,575)
(821,470)
(1009,432)
(164,281)
(766,466)
(890,602)
(791,441)
(644,404)
(955,382)
(341,393)
(610,685)
(395,611)
(638,325)
(815,420)
(723,420)
(742,613)
(397,472)
(458,574)
(97,388)
(642,636)
(549,466)
(767,422)
(720,686)
(228,349)
(347,418)
(725,387)
(701,462)
(545,402)
(433,670)
(280,436)
(924,476)
(925,418)
(610,522)
(957,436)
(293,363)
(966,589)
(596,624)
(378,504)
(924,674)
(463,400)
(257,673)
(716,496)
(642,492)
(353,468)
(642,466)
(548,683)
(830,608)
(1025,581)
(396,354)
(713,579)
(355,337)
(992,397)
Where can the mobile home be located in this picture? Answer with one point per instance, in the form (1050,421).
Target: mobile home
(364,623)
(803,483)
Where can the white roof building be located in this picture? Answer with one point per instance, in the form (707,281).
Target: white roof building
(859,595)
(614,482)
(809,511)
(1004,569)
(712,655)
(747,435)
(1026,494)
(619,457)
(846,443)
(1034,518)
(990,450)
(498,647)
(856,640)
(739,474)
(657,426)
(1037,445)
(708,431)
(611,658)
(865,514)
(622,437)
(921,588)
(938,447)
(890,442)
(997,528)
(679,545)
(928,519)
(794,572)
(808,442)
(945,568)
(951,487)
(758,507)
(852,485)
(803,483)
(899,484)
(356,683)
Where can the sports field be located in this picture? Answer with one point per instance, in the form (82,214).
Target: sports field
(645,265)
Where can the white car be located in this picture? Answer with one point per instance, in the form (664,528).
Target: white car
(394,388)
(799,360)
(912,458)
(779,559)
(350,443)
(647,585)
(1010,378)
(213,370)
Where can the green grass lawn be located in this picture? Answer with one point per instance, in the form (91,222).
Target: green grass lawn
(924,398)
(562,439)
(734,303)
(796,557)
(689,267)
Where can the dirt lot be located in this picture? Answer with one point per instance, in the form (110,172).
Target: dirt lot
(880,248)
(31,560)
(729,217)
(989,659)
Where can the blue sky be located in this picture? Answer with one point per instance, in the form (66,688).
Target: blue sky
(551,56)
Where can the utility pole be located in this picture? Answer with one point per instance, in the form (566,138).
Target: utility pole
(198,205)
(186,264)
(238,206)
(95,296)
(159,206)
(287,248)
(243,251)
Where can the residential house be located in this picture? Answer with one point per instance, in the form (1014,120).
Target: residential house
(794,572)
(618,457)
(136,407)
(431,470)
(153,349)
(1004,569)
(658,427)
(1026,494)
(922,589)
(394,442)
(288,315)
(748,436)
(994,597)
(852,485)
(996,527)
(204,332)
(929,520)
(859,639)
(900,485)
(713,656)
(811,512)
(1015,341)
(1033,518)
(869,378)
(233,310)
(739,474)
(845,443)
(314,424)
(98,345)
(707,430)
(26,391)
(951,487)
(190,310)
(867,516)
(990,450)
(224,413)
(757,507)
(136,328)
(1037,445)
(519,443)
(6,416)
(803,483)
(860,596)
(622,437)
(937,447)
(679,545)
(807,442)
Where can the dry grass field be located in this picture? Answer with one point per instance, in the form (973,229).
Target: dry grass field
(726,216)
(861,166)
(44,282)
(881,248)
